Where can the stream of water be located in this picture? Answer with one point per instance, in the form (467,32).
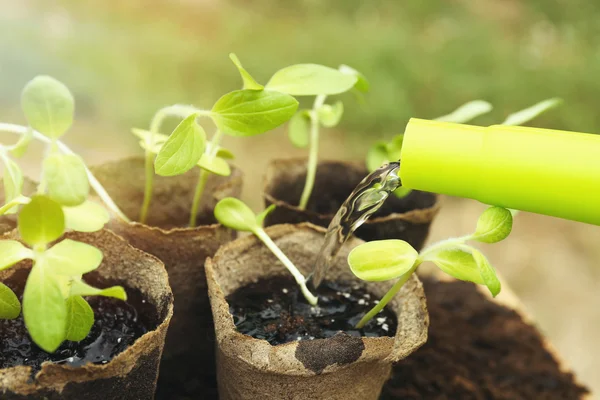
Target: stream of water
(364,201)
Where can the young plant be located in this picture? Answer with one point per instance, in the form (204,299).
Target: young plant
(385,260)
(54,309)
(234,214)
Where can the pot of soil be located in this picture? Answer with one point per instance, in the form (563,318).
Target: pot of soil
(188,362)
(407,218)
(480,348)
(272,344)
(119,359)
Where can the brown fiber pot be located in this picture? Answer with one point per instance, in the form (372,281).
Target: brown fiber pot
(341,367)
(130,375)
(407,219)
(188,359)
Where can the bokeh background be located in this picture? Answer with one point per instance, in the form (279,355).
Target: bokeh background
(125,59)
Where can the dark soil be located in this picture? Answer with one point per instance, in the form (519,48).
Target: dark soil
(275,310)
(116,327)
(334,182)
(478,350)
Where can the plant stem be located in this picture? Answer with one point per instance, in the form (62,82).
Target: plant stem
(388,296)
(313,155)
(97,186)
(262,235)
(149,183)
(14,202)
(202,178)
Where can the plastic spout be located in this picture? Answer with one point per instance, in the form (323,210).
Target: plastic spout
(544,171)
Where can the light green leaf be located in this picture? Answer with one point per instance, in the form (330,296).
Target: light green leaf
(467,112)
(494,225)
(80,319)
(402,192)
(330,115)
(154,149)
(72,258)
(44,308)
(13,182)
(457,263)
(41,221)
(80,288)
(394,147)
(215,165)
(11,252)
(147,136)
(48,106)
(377,156)
(526,115)
(250,112)
(66,178)
(487,272)
(221,151)
(234,214)
(382,260)
(86,217)
(311,80)
(299,129)
(23,144)
(10,308)
(182,151)
(260,218)
(249,82)
(362,84)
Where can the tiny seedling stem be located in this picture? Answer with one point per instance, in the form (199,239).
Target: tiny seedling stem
(149,183)
(97,186)
(311,170)
(312,299)
(202,178)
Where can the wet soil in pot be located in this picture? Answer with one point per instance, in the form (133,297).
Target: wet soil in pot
(275,310)
(478,349)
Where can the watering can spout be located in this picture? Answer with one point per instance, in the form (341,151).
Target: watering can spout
(544,171)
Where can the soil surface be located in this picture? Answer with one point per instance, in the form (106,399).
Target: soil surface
(117,325)
(275,310)
(478,350)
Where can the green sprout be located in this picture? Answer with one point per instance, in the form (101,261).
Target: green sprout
(234,214)
(385,260)
(53,307)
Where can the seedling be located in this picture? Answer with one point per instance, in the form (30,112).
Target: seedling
(54,309)
(234,214)
(396,259)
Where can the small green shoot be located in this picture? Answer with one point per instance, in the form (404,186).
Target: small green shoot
(234,214)
(396,259)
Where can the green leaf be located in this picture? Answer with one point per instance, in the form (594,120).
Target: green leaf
(13,182)
(260,218)
(86,217)
(66,178)
(526,115)
(41,221)
(250,112)
(457,263)
(80,318)
(148,137)
(467,112)
(311,80)
(12,252)
(494,225)
(215,165)
(48,106)
(182,151)
(44,308)
(330,115)
(23,144)
(234,214)
(299,129)
(362,85)
(394,147)
(221,151)
(402,192)
(154,149)
(382,260)
(80,288)
(377,156)
(10,308)
(249,82)
(70,258)
(487,272)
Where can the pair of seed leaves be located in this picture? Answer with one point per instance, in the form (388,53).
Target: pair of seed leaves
(253,110)
(390,259)
(53,305)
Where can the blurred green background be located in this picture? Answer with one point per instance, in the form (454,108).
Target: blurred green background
(125,59)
